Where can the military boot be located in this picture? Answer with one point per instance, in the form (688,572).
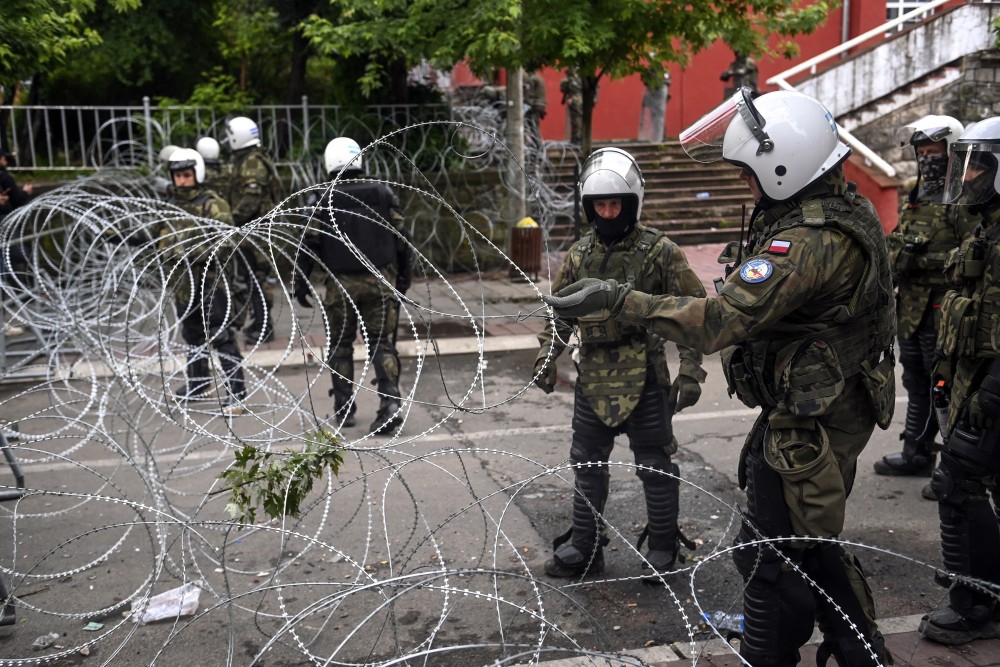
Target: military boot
(389,417)
(949,626)
(917,460)
(572,561)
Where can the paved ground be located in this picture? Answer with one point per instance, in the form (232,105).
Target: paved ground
(504,310)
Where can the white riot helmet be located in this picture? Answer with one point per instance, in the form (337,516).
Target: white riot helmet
(167,151)
(208,147)
(974,165)
(930,129)
(187,158)
(241,132)
(341,152)
(786,139)
(611,173)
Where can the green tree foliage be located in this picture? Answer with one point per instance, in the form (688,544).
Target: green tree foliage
(36,35)
(160,50)
(600,38)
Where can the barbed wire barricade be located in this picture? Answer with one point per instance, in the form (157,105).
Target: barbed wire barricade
(384,559)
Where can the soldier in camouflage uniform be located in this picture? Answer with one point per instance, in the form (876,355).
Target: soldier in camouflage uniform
(367,213)
(928,231)
(201,284)
(965,480)
(742,73)
(254,189)
(218,174)
(623,384)
(806,323)
(572,96)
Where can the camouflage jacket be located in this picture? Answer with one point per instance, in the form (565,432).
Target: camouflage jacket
(613,358)
(191,240)
(254,187)
(928,233)
(793,301)
(969,331)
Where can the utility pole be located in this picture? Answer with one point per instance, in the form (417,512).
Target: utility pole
(515,143)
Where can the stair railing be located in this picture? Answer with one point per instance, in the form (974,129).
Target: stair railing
(781,80)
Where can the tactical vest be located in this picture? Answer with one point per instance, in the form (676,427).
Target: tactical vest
(805,372)
(360,213)
(969,331)
(274,188)
(927,233)
(614,356)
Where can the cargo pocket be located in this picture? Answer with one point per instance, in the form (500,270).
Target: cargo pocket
(881,385)
(798,449)
(738,378)
(956,334)
(812,379)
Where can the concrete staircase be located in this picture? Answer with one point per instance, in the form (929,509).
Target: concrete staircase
(692,202)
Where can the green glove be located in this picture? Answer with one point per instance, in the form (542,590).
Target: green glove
(545,373)
(979,415)
(684,392)
(588,296)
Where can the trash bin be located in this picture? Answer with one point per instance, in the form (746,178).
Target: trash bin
(526,248)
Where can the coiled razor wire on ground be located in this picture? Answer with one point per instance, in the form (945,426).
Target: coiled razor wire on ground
(408,556)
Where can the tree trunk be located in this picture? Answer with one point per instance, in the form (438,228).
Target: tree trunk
(297,73)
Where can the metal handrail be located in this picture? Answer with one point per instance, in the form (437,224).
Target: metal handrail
(781,79)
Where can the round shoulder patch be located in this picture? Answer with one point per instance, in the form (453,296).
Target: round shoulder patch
(756,270)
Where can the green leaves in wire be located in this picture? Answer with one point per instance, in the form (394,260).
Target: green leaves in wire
(278,483)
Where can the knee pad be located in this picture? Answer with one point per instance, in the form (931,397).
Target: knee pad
(778,619)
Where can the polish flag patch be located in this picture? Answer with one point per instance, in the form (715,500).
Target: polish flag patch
(779,247)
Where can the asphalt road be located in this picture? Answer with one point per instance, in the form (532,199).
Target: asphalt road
(427,548)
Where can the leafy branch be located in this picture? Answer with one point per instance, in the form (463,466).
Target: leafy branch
(278,483)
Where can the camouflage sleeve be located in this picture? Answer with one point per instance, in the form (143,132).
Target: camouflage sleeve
(681,280)
(765,288)
(217,209)
(558,331)
(248,190)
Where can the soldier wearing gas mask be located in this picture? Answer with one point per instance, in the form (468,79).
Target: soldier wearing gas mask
(806,322)
(928,231)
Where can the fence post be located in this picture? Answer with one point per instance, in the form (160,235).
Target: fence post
(305,126)
(148,117)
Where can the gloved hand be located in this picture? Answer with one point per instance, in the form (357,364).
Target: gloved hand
(403,283)
(984,403)
(588,296)
(302,292)
(545,378)
(684,392)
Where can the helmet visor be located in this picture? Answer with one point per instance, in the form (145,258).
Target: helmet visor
(972,174)
(921,133)
(702,141)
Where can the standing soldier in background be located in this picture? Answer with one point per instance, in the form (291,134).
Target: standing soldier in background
(742,73)
(368,215)
(919,247)
(203,287)
(535,103)
(806,324)
(572,96)
(623,384)
(255,189)
(965,481)
(654,110)
(217,173)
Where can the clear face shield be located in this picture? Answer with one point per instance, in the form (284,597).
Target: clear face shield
(703,141)
(972,174)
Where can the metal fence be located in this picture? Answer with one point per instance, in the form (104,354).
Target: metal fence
(72,138)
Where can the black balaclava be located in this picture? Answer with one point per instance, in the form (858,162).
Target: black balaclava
(613,229)
(980,189)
